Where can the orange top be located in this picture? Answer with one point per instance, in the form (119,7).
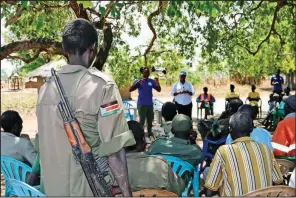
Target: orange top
(283,139)
(202,97)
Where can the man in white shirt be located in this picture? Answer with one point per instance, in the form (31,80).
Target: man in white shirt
(183,92)
(13,144)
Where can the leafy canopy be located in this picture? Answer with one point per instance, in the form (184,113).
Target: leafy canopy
(245,38)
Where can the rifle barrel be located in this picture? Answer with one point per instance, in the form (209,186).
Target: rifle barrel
(62,94)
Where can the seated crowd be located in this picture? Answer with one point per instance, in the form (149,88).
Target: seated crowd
(119,149)
(245,163)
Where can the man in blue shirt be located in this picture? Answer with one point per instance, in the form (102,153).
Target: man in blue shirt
(258,134)
(145,103)
(207,102)
(277,81)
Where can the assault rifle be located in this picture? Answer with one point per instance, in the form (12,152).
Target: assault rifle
(81,150)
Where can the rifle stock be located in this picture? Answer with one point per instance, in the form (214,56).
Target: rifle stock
(85,148)
(81,149)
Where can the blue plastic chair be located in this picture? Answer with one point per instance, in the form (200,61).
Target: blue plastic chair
(206,153)
(180,167)
(14,169)
(127,111)
(22,189)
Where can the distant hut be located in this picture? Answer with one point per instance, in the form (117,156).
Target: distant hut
(14,81)
(43,72)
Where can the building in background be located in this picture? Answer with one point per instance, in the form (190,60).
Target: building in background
(36,77)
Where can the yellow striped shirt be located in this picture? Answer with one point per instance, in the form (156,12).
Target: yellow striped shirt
(231,95)
(242,167)
(254,95)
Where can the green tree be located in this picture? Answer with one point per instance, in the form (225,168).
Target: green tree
(236,36)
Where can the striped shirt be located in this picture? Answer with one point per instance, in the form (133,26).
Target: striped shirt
(242,167)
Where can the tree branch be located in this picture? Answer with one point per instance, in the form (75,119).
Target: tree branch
(15,17)
(11,2)
(54,47)
(26,60)
(256,7)
(79,11)
(93,11)
(149,21)
(21,9)
(105,47)
(51,46)
(279,5)
(103,53)
(108,10)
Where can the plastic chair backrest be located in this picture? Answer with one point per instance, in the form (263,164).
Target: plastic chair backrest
(180,167)
(273,191)
(127,112)
(285,166)
(153,193)
(22,189)
(127,105)
(157,102)
(14,169)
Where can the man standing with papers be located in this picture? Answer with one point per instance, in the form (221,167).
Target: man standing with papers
(183,92)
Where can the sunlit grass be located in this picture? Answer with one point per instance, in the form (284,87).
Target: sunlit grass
(23,103)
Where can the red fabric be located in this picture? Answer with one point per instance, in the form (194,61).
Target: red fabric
(283,139)
(202,97)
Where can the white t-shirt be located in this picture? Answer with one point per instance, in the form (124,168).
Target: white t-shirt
(183,99)
(18,148)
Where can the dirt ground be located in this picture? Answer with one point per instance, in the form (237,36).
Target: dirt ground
(24,101)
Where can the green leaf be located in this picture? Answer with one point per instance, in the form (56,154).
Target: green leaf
(214,12)
(171,11)
(120,5)
(86,4)
(117,13)
(196,3)
(225,9)
(25,4)
(217,7)
(198,11)
(209,6)
(102,10)
(201,6)
(113,12)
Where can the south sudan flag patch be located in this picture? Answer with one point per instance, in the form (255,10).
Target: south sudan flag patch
(109,108)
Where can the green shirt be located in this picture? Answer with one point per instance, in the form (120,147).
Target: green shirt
(152,172)
(36,168)
(36,165)
(177,147)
